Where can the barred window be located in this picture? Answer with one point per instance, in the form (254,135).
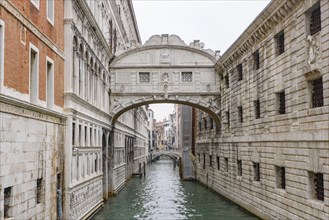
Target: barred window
(144,77)
(257,108)
(279,40)
(240,114)
(317,93)
(316,186)
(204,161)
(280,177)
(281,103)
(8,201)
(226,164)
(315,19)
(227,82)
(239,171)
(186,77)
(256,60)
(239,69)
(39,190)
(256,171)
(211,123)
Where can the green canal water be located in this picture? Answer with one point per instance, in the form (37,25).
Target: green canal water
(162,195)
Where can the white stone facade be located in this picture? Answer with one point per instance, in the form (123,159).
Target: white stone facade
(270,152)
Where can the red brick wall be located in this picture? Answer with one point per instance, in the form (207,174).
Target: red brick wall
(16,65)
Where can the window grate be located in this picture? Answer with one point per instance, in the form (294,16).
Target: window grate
(257,108)
(186,77)
(239,168)
(204,161)
(256,60)
(280,43)
(226,164)
(281,177)
(227,82)
(315,20)
(319,187)
(239,69)
(256,172)
(317,93)
(282,103)
(240,114)
(211,123)
(144,77)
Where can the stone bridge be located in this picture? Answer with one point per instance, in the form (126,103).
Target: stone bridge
(172,154)
(165,70)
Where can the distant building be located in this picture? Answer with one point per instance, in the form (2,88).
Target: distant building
(150,129)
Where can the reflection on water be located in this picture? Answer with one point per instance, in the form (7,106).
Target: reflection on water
(162,195)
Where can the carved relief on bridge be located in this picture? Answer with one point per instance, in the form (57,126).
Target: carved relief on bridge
(165,69)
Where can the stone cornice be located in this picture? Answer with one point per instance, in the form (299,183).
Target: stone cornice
(258,30)
(25,109)
(86,11)
(29,25)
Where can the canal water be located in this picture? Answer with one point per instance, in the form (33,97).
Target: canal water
(162,195)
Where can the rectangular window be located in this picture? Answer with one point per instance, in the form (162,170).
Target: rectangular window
(204,161)
(316,186)
(80,135)
(256,171)
(34,74)
(279,40)
(199,158)
(256,60)
(315,19)
(218,161)
(39,190)
(257,108)
(210,161)
(73,133)
(281,103)
(187,77)
(8,198)
(91,136)
(144,77)
(239,69)
(86,135)
(227,82)
(240,114)
(239,171)
(211,121)
(50,10)
(317,93)
(50,84)
(200,127)
(36,3)
(226,164)
(1,52)
(280,177)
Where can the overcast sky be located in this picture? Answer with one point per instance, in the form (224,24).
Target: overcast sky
(216,23)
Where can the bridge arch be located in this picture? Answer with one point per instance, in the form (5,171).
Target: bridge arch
(165,70)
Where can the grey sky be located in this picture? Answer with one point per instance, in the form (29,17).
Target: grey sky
(217,23)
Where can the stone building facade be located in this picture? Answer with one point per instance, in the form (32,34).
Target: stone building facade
(55,123)
(94,32)
(270,152)
(31,109)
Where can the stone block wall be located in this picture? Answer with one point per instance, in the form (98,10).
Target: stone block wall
(272,162)
(31,162)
